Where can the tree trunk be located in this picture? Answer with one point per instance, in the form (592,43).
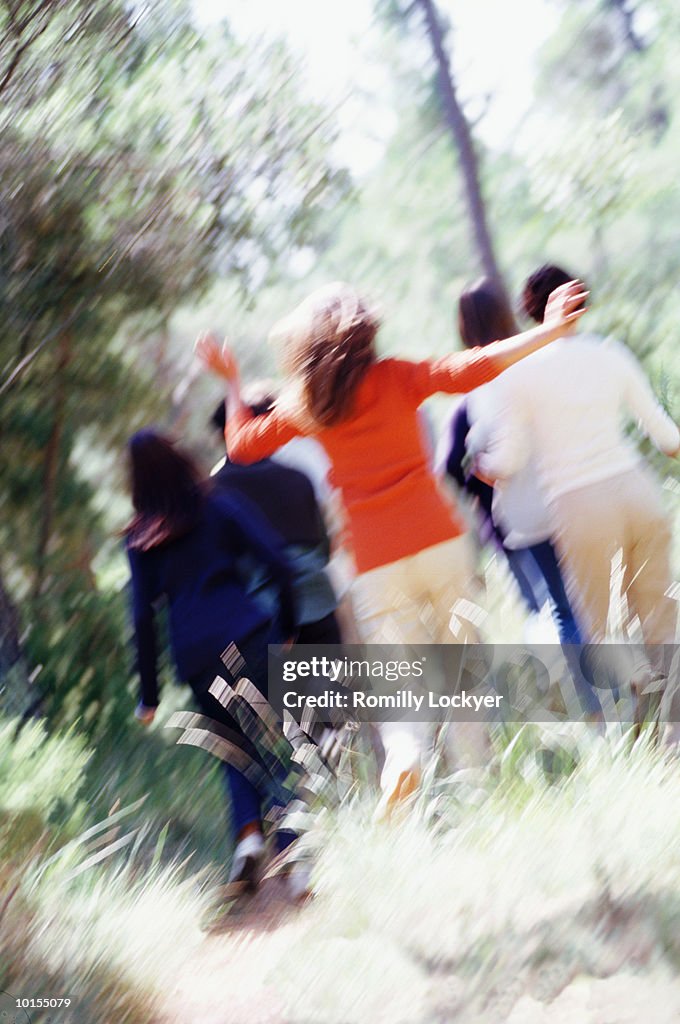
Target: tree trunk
(51,465)
(462,138)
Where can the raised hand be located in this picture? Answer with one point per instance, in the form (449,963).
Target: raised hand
(216,358)
(566,305)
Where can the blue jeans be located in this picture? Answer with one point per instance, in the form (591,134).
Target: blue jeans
(538,576)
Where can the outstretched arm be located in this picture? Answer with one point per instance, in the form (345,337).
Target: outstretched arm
(221,362)
(248,438)
(461,372)
(564,308)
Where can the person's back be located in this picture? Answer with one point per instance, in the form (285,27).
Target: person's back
(199,574)
(286,498)
(284,495)
(571,402)
(569,406)
(381,465)
(186,545)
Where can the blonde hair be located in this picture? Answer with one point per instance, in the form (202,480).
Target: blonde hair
(327,343)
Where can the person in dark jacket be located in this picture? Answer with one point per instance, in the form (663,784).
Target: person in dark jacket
(286,498)
(186,544)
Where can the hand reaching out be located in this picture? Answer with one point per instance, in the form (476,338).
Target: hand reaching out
(566,305)
(216,358)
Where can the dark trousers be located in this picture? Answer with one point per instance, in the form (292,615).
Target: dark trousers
(248,800)
(538,576)
(324,631)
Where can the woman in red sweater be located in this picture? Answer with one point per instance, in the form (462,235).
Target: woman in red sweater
(412,560)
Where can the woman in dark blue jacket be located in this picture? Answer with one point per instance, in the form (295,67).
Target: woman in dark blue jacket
(187,545)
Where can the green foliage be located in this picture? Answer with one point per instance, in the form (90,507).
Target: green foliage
(611,55)
(30,26)
(84,912)
(137,159)
(154,181)
(40,782)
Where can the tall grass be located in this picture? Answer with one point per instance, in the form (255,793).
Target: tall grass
(504,893)
(497,893)
(95,914)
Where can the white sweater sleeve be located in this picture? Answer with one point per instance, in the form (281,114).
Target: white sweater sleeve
(643,405)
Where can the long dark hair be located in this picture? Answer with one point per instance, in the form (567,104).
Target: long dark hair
(167,490)
(328,344)
(484,315)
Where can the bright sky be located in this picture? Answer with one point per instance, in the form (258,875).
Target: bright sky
(495,48)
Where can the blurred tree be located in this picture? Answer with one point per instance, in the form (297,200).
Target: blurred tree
(453,114)
(606,97)
(24,22)
(153,158)
(608,55)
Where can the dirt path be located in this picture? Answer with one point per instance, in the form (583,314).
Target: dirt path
(239,972)
(222,983)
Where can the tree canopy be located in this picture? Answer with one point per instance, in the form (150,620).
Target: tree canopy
(139,159)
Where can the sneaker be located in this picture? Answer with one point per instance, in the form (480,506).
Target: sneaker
(299,882)
(245,866)
(407,784)
(396,798)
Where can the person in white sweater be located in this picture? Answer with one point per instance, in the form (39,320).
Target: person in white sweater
(566,407)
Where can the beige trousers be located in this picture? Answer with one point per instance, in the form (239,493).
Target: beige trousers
(613,539)
(422,599)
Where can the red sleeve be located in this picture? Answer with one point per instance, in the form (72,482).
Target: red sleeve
(251,438)
(453,374)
